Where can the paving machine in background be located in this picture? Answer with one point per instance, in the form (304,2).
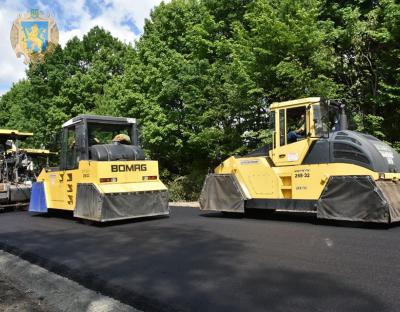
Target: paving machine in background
(103,174)
(314,164)
(18,168)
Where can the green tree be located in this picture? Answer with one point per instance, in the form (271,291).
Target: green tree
(202,75)
(65,83)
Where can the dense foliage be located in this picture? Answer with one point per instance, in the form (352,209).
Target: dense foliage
(203,73)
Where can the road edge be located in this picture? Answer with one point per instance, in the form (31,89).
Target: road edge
(59,292)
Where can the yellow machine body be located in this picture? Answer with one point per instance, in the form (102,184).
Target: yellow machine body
(259,180)
(296,176)
(61,186)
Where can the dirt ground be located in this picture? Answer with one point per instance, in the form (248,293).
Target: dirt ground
(27,287)
(14,300)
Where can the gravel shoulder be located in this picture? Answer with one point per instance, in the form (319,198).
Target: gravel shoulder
(25,287)
(12,299)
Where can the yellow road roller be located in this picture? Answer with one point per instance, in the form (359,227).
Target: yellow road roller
(103,174)
(314,164)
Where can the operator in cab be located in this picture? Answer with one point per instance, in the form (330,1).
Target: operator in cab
(299,132)
(122,139)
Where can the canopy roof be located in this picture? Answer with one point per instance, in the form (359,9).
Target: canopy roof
(10,134)
(99,119)
(287,104)
(32,151)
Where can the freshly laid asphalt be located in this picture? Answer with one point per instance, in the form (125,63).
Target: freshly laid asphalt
(196,261)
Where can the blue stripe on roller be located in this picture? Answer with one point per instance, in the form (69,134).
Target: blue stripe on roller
(38,198)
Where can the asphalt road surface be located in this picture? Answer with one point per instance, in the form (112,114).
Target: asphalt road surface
(196,261)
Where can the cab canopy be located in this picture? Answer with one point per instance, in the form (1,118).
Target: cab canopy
(91,137)
(11,134)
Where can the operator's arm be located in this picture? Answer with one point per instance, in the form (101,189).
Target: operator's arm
(301,129)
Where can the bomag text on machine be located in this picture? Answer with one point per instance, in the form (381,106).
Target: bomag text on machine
(314,164)
(103,174)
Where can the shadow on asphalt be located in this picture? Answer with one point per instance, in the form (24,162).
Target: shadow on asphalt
(23,207)
(122,222)
(300,217)
(68,215)
(255,214)
(53,213)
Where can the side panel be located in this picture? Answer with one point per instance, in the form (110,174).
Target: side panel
(221,192)
(4,198)
(60,188)
(135,205)
(254,175)
(124,171)
(309,181)
(38,198)
(95,205)
(19,193)
(353,198)
(391,191)
(89,202)
(291,154)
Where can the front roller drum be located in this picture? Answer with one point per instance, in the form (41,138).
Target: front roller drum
(96,206)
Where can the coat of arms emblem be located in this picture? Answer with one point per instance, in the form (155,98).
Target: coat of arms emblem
(31,34)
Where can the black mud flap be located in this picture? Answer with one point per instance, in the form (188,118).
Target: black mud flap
(222,192)
(354,198)
(93,205)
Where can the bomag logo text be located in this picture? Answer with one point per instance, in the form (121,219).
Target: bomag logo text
(128,168)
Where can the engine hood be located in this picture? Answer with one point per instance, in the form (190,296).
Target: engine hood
(357,148)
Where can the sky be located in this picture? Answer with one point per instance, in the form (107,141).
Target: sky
(123,18)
